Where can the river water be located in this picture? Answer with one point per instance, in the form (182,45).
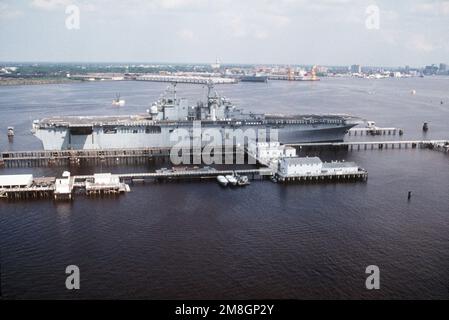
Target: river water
(196,240)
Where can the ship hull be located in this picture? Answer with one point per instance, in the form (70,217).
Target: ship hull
(63,138)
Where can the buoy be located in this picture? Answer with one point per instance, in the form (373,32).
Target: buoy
(413,92)
(425,127)
(409,195)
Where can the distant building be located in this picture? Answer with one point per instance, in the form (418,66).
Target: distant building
(216,65)
(321,69)
(430,70)
(407,70)
(356,68)
(443,69)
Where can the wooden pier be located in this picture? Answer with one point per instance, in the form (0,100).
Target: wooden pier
(46,158)
(47,187)
(186,79)
(375,131)
(41,158)
(365,145)
(257,173)
(361,175)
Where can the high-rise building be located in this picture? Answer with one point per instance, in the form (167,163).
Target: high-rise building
(356,68)
(443,68)
(430,70)
(407,69)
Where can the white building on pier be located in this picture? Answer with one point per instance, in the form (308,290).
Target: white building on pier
(310,166)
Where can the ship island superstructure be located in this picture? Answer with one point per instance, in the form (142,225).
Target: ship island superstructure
(155,128)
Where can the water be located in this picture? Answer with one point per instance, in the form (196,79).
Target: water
(197,240)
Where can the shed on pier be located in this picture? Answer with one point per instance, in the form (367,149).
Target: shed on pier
(16,181)
(63,188)
(295,166)
(338,167)
(105,179)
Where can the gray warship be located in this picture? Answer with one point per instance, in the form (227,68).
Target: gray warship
(155,128)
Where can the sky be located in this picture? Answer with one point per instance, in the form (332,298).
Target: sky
(323,32)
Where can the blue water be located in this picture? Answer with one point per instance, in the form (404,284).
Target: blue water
(197,240)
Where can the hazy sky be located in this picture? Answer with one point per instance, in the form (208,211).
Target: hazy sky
(326,32)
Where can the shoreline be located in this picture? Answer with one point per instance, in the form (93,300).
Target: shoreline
(34,81)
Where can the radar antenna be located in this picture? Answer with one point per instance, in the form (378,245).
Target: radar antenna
(174,90)
(210,87)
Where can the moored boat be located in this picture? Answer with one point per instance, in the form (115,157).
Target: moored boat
(10,132)
(222,181)
(231,179)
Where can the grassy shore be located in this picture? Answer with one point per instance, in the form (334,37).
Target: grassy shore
(33,81)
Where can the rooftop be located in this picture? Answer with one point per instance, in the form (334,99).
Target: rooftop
(15,180)
(303,160)
(339,164)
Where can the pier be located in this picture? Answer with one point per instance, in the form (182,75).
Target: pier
(109,184)
(361,175)
(27,187)
(375,131)
(186,79)
(41,158)
(115,184)
(292,78)
(380,145)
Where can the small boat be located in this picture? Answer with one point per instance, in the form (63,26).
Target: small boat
(242,181)
(118,102)
(222,181)
(10,132)
(231,179)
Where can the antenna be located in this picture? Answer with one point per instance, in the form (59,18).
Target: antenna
(174,89)
(210,86)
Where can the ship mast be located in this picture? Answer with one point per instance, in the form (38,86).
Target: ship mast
(210,86)
(174,91)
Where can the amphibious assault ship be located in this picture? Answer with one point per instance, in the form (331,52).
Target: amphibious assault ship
(169,114)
